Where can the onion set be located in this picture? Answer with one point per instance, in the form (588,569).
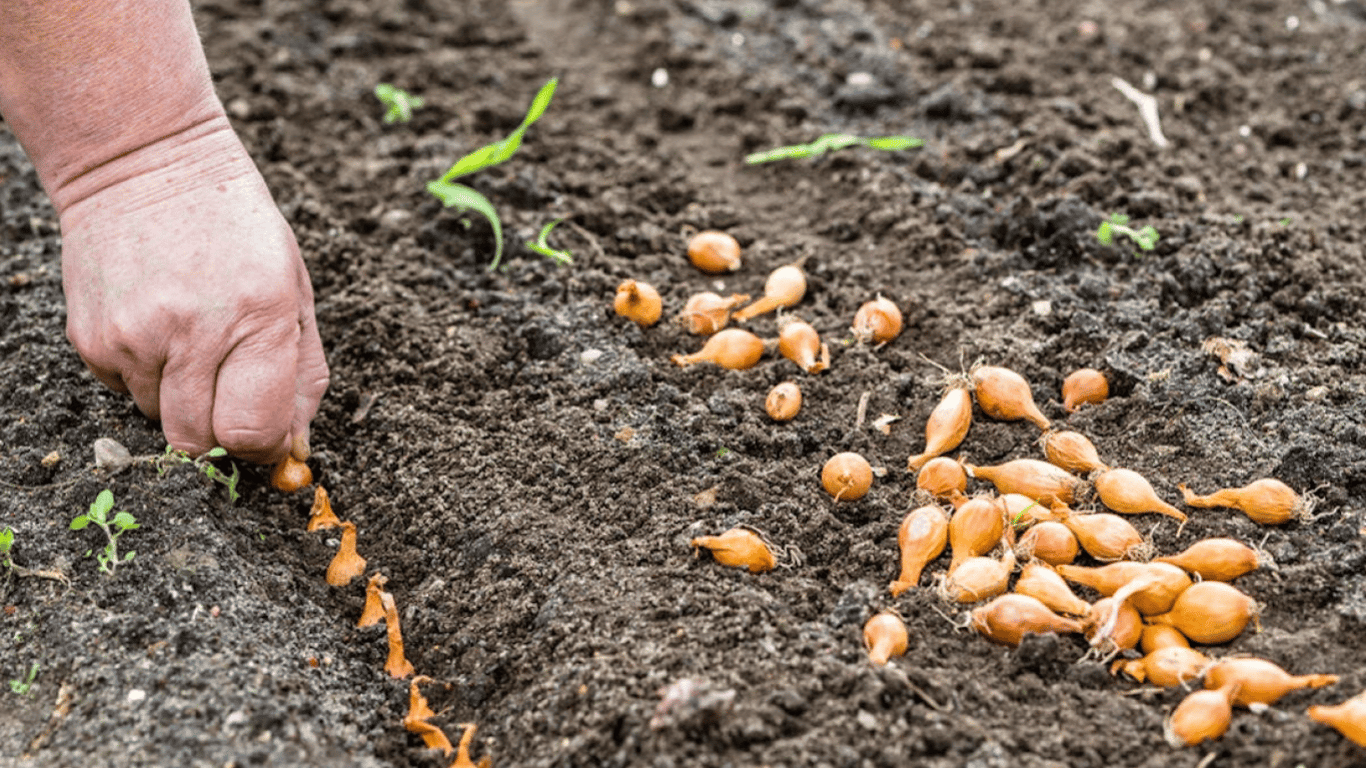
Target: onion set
(638,302)
(978,578)
(707,312)
(1349,717)
(1210,612)
(1072,451)
(1166,667)
(975,529)
(783,401)
(785,286)
(1049,541)
(884,635)
(847,476)
(714,252)
(1201,716)
(1038,580)
(1215,559)
(942,478)
(800,343)
(1005,395)
(877,321)
(1260,681)
(321,516)
(921,538)
(733,348)
(738,548)
(290,475)
(1039,480)
(1267,501)
(1129,493)
(1008,618)
(947,426)
(397,664)
(1083,386)
(347,564)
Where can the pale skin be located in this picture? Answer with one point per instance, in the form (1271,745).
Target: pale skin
(184,284)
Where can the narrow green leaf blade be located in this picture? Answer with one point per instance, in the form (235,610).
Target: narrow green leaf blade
(493,154)
(464,198)
(893,143)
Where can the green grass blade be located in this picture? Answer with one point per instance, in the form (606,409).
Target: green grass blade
(493,154)
(463,198)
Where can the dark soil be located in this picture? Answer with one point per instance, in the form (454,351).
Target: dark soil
(527,468)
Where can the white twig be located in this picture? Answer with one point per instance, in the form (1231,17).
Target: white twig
(1147,109)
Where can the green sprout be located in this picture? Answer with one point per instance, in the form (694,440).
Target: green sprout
(400,103)
(831,142)
(205,465)
(463,198)
(1145,238)
(6,543)
(22,687)
(1015,522)
(113,528)
(540,246)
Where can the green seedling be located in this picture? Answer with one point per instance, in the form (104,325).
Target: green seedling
(1118,224)
(1016,521)
(6,544)
(400,103)
(22,687)
(831,142)
(205,465)
(539,245)
(113,528)
(463,198)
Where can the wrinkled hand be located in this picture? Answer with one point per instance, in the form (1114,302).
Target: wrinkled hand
(185,287)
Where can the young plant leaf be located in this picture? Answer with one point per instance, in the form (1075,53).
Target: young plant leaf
(463,199)
(79,524)
(541,246)
(101,505)
(493,154)
(400,103)
(831,142)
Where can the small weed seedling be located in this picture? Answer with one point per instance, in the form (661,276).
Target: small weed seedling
(1118,224)
(400,103)
(205,465)
(22,687)
(463,198)
(6,544)
(113,528)
(539,245)
(831,142)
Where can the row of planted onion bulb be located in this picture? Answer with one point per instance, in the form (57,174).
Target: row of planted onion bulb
(346,566)
(1160,606)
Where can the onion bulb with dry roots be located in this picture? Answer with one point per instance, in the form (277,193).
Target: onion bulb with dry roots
(975,529)
(978,578)
(1072,451)
(1037,579)
(290,475)
(1201,716)
(706,313)
(847,476)
(1008,618)
(1349,717)
(947,426)
(1210,612)
(942,478)
(1082,386)
(1107,537)
(1129,493)
(1114,625)
(800,343)
(732,348)
(1158,636)
(738,548)
(884,635)
(1049,541)
(1261,682)
(785,286)
(921,538)
(1267,501)
(714,252)
(1165,667)
(783,401)
(877,321)
(1215,559)
(1040,480)
(638,302)
(1005,395)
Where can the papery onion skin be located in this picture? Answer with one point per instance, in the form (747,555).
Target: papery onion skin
(732,348)
(738,548)
(1030,477)
(877,321)
(783,401)
(1004,395)
(638,302)
(1083,386)
(1215,559)
(921,538)
(1210,612)
(885,636)
(714,252)
(1008,618)
(847,476)
(1267,501)
(947,426)
(1260,681)
(1349,717)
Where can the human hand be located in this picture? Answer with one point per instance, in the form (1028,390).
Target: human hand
(185,287)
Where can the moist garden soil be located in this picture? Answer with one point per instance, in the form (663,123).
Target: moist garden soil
(527,468)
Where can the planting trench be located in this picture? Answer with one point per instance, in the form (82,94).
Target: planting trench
(527,468)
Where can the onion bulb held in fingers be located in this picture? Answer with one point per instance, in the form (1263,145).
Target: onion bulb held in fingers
(947,426)
(1082,386)
(1267,501)
(783,401)
(785,286)
(847,476)
(290,475)
(1005,395)
(706,313)
(638,302)
(799,342)
(714,252)
(877,321)
(732,348)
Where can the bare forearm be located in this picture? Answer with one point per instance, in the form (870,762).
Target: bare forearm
(83,83)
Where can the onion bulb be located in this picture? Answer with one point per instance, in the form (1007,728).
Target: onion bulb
(1082,386)
(847,476)
(1114,625)
(1215,559)
(321,516)
(783,401)
(347,564)
(1049,541)
(877,321)
(714,252)
(396,664)
(785,286)
(921,538)
(372,612)
(975,529)
(942,478)
(1166,667)
(1107,537)
(1037,579)
(1201,716)
(1150,587)
(978,578)
(706,313)
(1127,492)
(1157,636)
(1210,612)
(1261,682)
(884,635)
(638,302)
(947,426)
(738,548)
(1022,511)
(799,342)
(290,475)
(1030,477)
(1005,395)
(1008,618)
(732,348)
(1349,717)
(1072,451)
(1267,501)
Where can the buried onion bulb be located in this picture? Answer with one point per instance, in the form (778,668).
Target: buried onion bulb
(877,321)
(706,313)
(1082,386)
(638,302)
(732,348)
(714,252)
(847,476)
(783,401)
(785,286)
(347,564)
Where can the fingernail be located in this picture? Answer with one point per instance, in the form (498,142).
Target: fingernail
(299,448)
